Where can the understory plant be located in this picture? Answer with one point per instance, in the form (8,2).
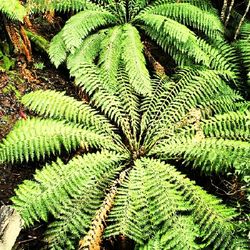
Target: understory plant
(104,32)
(126,177)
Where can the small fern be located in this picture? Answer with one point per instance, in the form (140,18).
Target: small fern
(188,31)
(127,179)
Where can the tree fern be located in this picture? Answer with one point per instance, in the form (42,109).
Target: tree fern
(189,31)
(127,179)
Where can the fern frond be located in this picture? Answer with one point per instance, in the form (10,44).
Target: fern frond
(57,49)
(13,9)
(192,89)
(134,61)
(243,46)
(63,5)
(35,138)
(93,238)
(222,57)
(210,154)
(180,236)
(52,104)
(71,192)
(153,104)
(87,77)
(89,50)
(80,25)
(232,125)
(129,100)
(215,221)
(191,16)
(135,6)
(110,55)
(174,38)
(140,207)
(226,101)
(202,4)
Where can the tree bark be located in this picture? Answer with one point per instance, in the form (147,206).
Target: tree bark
(10,227)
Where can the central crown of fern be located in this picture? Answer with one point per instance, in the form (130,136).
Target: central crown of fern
(125,178)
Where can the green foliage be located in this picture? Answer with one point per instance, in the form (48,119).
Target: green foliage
(6,63)
(192,118)
(13,9)
(243,45)
(189,31)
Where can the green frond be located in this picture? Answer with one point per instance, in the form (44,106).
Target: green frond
(210,154)
(86,76)
(191,16)
(243,46)
(202,4)
(13,9)
(181,236)
(62,6)
(143,203)
(35,138)
(57,49)
(80,25)
(232,126)
(119,9)
(64,190)
(174,38)
(135,6)
(134,61)
(110,55)
(226,101)
(129,100)
(222,57)
(88,51)
(193,88)
(215,221)
(52,104)
(151,106)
